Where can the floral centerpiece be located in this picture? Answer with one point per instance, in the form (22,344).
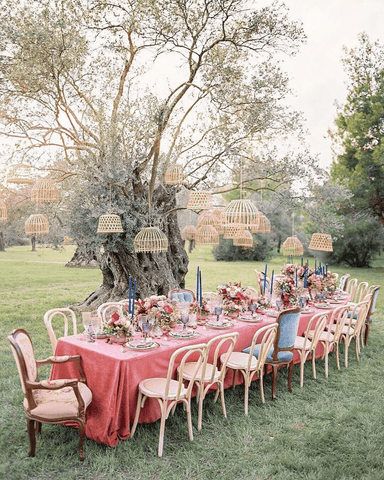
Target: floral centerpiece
(235,299)
(288,292)
(118,326)
(205,309)
(159,307)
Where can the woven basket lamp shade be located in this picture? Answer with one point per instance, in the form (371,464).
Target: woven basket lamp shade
(174,175)
(188,233)
(3,212)
(37,224)
(21,175)
(292,246)
(241,211)
(219,214)
(207,235)
(264,225)
(199,201)
(243,239)
(321,241)
(44,191)
(150,239)
(255,225)
(232,229)
(110,223)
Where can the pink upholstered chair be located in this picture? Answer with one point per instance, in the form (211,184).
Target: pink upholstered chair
(210,374)
(65,314)
(169,392)
(57,401)
(249,365)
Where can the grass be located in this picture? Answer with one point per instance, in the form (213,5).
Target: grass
(330,429)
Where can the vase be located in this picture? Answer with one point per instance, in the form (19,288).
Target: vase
(119,339)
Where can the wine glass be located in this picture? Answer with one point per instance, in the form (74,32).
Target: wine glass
(147,327)
(253,308)
(218,312)
(141,320)
(184,321)
(279,304)
(192,321)
(89,327)
(303,302)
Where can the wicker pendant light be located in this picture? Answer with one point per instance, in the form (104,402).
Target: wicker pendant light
(3,211)
(20,175)
(243,239)
(199,200)
(174,175)
(264,225)
(241,211)
(232,229)
(207,235)
(255,225)
(322,242)
(188,232)
(150,239)
(37,224)
(292,246)
(44,191)
(206,218)
(110,223)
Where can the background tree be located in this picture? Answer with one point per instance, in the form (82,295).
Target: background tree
(360,128)
(121,91)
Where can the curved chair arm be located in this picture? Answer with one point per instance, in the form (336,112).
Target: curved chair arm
(64,359)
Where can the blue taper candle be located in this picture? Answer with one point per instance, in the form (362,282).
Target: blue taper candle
(133,298)
(302,260)
(296,278)
(273,272)
(129,295)
(265,278)
(201,290)
(197,284)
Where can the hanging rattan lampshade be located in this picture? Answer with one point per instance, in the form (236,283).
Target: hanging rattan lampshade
(231,229)
(292,246)
(321,241)
(207,235)
(241,211)
(199,200)
(220,220)
(37,224)
(264,225)
(110,223)
(44,191)
(20,175)
(3,212)
(150,239)
(174,175)
(243,239)
(255,225)
(206,218)
(188,232)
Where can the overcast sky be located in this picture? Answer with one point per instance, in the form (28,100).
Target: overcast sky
(316,72)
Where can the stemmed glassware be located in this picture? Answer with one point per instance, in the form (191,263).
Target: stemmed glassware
(253,307)
(303,301)
(147,327)
(91,325)
(279,304)
(184,321)
(218,310)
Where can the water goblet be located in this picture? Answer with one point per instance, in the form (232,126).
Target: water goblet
(184,321)
(147,327)
(192,321)
(279,304)
(89,326)
(303,302)
(218,312)
(253,307)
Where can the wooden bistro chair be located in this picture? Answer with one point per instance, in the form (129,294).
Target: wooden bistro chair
(353,326)
(351,287)
(182,295)
(374,289)
(281,353)
(332,339)
(49,401)
(209,374)
(344,281)
(248,365)
(307,345)
(67,315)
(169,392)
(360,292)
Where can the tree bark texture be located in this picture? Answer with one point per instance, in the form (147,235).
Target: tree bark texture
(33,243)
(2,242)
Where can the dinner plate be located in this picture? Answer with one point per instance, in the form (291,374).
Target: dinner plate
(179,334)
(251,319)
(307,310)
(322,305)
(136,345)
(219,325)
(97,335)
(272,313)
(335,301)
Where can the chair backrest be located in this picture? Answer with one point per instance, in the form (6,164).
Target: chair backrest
(360,292)
(316,324)
(252,292)
(65,314)
(105,310)
(200,351)
(344,281)
(374,289)
(335,276)
(288,322)
(339,317)
(182,295)
(217,344)
(258,282)
(268,334)
(351,286)
(22,350)
(360,312)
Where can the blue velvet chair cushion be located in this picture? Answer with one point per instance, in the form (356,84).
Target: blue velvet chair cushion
(182,297)
(282,356)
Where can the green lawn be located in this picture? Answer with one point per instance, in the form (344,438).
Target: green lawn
(330,429)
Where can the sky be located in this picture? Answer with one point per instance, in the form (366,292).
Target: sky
(316,72)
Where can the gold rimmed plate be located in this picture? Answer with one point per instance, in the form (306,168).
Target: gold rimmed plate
(219,325)
(143,347)
(250,319)
(179,334)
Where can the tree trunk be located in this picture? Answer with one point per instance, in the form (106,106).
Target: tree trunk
(84,257)
(33,243)
(155,273)
(2,242)
(191,246)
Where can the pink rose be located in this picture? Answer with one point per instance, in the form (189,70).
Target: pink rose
(168,308)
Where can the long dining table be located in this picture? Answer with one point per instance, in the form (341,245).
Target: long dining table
(114,372)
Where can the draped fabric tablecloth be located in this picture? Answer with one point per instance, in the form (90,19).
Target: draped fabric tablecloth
(113,375)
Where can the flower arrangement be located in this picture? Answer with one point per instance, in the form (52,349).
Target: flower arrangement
(235,300)
(118,325)
(205,309)
(287,290)
(163,310)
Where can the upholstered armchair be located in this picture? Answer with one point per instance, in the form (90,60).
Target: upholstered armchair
(49,401)
(182,295)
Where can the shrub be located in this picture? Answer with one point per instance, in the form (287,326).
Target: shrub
(263,249)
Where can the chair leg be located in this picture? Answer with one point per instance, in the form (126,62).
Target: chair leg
(81,434)
(302,361)
(162,428)
(314,364)
(274,379)
(38,427)
(290,373)
(234,379)
(261,377)
(32,437)
(189,420)
(326,352)
(346,345)
(200,414)
(357,346)
(337,356)
(138,408)
(221,386)
(246,394)
(366,333)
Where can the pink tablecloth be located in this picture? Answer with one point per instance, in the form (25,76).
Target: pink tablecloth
(113,376)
